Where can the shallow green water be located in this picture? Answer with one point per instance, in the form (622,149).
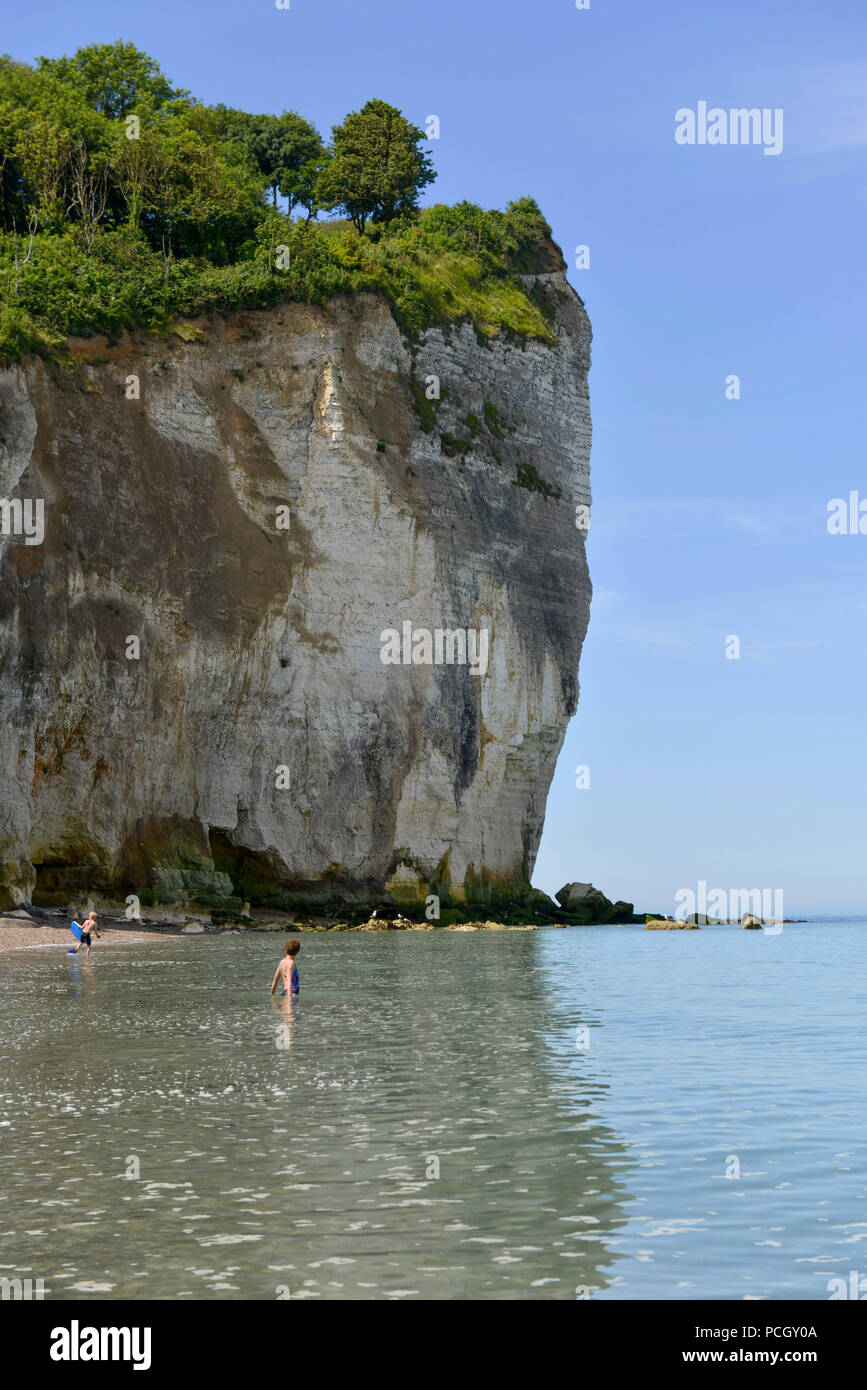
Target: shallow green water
(296,1147)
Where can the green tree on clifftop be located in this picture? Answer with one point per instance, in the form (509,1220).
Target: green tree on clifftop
(302,187)
(113,78)
(377,169)
(280,145)
(109,223)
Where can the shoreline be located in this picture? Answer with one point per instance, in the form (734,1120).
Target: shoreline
(16,935)
(48,930)
(23,932)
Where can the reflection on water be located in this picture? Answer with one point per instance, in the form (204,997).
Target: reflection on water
(424,1121)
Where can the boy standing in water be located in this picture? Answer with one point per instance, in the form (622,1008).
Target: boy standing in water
(288,969)
(87,927)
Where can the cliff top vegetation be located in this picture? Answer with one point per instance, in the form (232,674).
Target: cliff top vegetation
(125,203)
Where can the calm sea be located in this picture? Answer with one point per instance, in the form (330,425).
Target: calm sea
(600,1112)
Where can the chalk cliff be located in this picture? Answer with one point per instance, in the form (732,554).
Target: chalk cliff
(258,744)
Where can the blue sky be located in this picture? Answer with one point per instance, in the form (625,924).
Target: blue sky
(709,515)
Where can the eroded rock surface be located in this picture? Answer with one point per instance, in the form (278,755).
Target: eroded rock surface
(260,647)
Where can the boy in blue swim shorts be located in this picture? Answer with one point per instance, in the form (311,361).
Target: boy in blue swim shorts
(288,970)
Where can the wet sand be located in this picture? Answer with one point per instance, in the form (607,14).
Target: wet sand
(18,935)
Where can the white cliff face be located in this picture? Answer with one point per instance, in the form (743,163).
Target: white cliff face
(260,648)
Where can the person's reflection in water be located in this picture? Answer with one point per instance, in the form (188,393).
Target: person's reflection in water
(285,1007)
(81,974)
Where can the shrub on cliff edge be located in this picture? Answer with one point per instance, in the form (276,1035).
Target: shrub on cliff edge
(124,204)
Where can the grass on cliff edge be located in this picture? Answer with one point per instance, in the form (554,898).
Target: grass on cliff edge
(443,265)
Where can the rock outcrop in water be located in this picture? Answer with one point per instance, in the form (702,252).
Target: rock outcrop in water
(192,698)
(586,905)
